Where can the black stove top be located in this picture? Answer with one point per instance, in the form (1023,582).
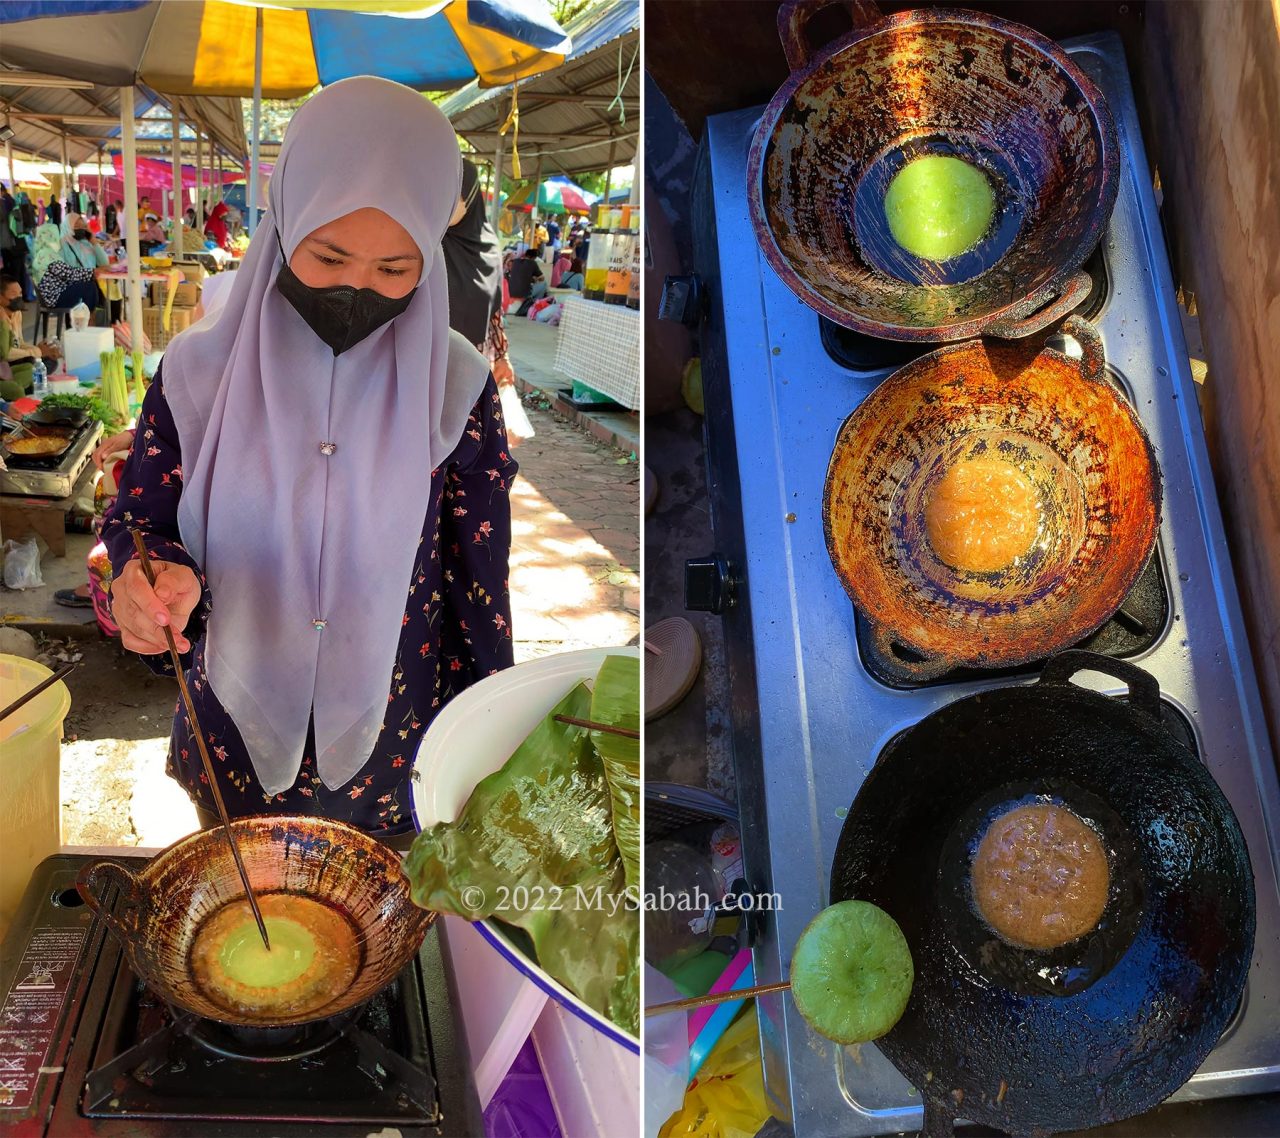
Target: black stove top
(108,1057)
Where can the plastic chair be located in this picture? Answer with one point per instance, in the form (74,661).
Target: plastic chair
(62,321)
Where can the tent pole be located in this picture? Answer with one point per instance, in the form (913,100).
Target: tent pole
(129,159)
(179,211)
(199,175)
(495,210)
(101,207)
(8,154)
(252,196)
(66,176)
(608,174)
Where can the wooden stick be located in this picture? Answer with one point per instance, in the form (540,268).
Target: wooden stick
(607,728)
(145,557)
(716,998)
(35,691)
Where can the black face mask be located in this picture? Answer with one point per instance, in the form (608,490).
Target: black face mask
(341,315)
(81,234)
(16,305)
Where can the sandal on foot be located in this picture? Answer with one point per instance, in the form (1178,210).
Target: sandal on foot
(72,599)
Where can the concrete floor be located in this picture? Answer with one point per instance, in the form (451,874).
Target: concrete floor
(690,744)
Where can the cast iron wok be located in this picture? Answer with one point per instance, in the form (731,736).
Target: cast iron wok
(162,908)
(1103,1028)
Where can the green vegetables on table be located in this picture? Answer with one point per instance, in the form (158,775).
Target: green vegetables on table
(550,842)
(94,405)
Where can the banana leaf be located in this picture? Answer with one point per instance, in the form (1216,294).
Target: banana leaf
(534,847)
(615,700)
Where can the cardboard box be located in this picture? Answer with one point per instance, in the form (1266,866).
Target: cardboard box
(187,295)
(153,325)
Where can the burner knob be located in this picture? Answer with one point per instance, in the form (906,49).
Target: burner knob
(683,300)
(709,585)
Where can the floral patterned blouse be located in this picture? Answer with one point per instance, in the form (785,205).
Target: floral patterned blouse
(456,627)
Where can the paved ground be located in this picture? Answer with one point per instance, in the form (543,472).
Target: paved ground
(574,580)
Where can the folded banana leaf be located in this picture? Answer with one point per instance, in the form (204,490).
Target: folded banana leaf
(534,846)
(615,700)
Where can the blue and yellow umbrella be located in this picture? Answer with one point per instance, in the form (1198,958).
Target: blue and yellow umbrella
(207,47)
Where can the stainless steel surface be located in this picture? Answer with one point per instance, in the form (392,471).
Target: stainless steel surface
(808,733)
(59,482)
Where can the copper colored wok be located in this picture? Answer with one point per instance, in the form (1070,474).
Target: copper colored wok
(1064,426)
(966,84)
(160,909)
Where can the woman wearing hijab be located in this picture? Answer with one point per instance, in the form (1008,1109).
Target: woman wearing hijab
(322,481)
(216,227)
(69,279)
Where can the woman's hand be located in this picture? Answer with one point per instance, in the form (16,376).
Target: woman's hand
(142,613)
(116,443)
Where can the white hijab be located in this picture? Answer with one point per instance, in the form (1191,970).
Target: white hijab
(286,535)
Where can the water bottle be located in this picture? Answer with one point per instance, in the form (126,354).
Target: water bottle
(39,379)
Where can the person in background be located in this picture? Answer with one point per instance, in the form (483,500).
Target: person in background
(553,234)
(573,278)
(189,218)
(10,258)
(540,238)
(19,355)
(524,278)
(144,208)
(151,235)
(111,222)
(94,221)
(54,212)
(559,267)
(216,227)
(70,278)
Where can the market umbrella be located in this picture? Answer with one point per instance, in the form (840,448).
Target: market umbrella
(555,195)
(207,47)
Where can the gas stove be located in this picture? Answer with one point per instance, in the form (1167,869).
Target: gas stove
(52,477)
(813,709)
(86,1049)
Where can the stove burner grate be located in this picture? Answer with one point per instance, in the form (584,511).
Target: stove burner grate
(370,1066)
(1134,628)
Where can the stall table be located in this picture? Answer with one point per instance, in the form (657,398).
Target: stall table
(599,345)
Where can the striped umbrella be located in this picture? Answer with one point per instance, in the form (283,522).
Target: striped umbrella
(207,47)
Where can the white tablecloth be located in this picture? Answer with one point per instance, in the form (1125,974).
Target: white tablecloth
(599,345)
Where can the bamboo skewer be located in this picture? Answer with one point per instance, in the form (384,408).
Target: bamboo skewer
(716,998)
(145,558)
(609,729)
(35,691)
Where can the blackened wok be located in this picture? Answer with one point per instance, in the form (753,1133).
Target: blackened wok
(1111,1024)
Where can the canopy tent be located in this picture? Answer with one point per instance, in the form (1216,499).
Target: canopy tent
(582,116)
(23,173)
(207,47)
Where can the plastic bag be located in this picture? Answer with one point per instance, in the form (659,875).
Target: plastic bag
(80,316)
(22,565)
(727,1099)
(666,1054)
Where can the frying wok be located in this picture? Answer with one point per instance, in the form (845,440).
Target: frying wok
(1066,429)
(162,908)
(937,81)
(1111,1024)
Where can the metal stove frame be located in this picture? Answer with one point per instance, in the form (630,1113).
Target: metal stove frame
(809,720)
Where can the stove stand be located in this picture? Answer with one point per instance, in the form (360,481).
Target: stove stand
(809,713)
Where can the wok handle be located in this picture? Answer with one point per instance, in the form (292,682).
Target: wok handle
(1094,363)
(1041,309)
(92,883)
(939,1119)
(793,15)
(1144,688)
(919,670)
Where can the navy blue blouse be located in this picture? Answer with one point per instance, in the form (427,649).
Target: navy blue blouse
(456,627)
